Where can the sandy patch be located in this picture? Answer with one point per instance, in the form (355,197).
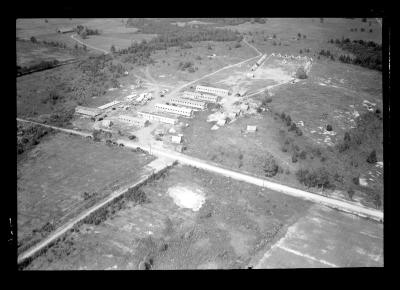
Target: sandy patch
(186,197)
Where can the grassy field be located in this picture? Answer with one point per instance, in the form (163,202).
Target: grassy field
(53,176)
(29,53)
(236,221)
(112,31)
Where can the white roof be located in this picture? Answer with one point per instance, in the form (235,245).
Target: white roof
(105,106)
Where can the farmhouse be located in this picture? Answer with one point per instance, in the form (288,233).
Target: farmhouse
(174,110)
(91,112)
(215,91)
(158,118)
(109,105)
(188,103)
(139,122)
(65,29)
(200,96)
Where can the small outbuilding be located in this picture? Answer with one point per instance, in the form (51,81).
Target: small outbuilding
(221,122)
(251,128)
(176,139)
(106,123)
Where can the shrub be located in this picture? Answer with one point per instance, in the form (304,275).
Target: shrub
(294,157)
(317,178)
(372,157)
(356,180)
(270,167)
(347,137)
(301,73)
(298,131)
(350,193)
(293,127)
(303,155)
(283,116)
(329,127)
(288,120)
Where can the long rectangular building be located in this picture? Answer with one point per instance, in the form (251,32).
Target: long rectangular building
(109,105)
(157,118)
(139,122)
(91,112)
(215,91)
(174,110)
(188,103)
(200,96)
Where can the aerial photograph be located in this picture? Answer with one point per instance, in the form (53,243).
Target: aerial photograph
(199,143)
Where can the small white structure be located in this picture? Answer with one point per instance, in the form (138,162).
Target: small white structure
(174,110)
(109,105)
(215,127)
(221,122)
(91,112)
(215,91)
(106,123)
(172,131)
(176,139)
(232,115)
(251,128)
(244,107)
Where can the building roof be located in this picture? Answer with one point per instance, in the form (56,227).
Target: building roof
(105,106)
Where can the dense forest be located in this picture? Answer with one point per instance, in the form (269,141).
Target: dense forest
(366,53)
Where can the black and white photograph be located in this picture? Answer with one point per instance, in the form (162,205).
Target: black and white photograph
(200,143)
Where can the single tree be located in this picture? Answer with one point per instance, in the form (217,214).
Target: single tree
(372,157)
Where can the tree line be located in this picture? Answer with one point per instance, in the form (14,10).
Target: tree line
(367,53)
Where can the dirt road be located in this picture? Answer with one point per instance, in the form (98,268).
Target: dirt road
(327,201)
(159,164)
(174,91)
(92,47)
(188,160)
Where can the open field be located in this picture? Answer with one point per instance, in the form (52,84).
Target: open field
(112,31)
(55,174)
(326,238)
(196,220)
(235,220)
(29,53)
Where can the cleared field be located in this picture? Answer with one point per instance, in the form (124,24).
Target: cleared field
(29,53)
(112,31)
(55,174)
(326,238)
(235,221)
(166,69)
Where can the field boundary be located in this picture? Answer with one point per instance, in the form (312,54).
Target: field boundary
(26,257)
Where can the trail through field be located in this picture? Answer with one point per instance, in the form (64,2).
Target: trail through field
(96,48)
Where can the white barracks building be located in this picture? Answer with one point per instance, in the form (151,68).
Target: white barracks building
(211,90)
(174,110)
(157,118)
(200,96)
(188,103)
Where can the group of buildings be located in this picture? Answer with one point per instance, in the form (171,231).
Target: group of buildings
(165,113)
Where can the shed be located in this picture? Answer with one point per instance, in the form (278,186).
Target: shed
(221,122)
(107,123)
(251,128)
(176,139)
(244,107)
